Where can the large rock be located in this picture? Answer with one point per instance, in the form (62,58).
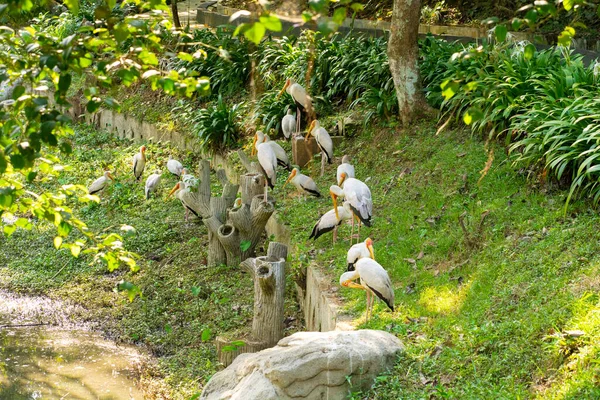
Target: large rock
(307,365)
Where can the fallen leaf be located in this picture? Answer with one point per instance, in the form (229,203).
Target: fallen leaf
(575,333)
(410,260)
(421,255)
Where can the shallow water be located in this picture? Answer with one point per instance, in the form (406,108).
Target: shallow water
(44,362)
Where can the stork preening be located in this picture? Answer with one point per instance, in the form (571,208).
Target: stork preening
(303,183)
(152,184)
(374,280)
(174,167)
(288,123)
(344,168)
(182,192)
(358,195)
(358,251)
(330,222)
(139,163)
(267,161)
(100,184)
(323,141)
(301,98)
(282,157)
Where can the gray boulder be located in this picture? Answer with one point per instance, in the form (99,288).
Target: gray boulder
(307,365)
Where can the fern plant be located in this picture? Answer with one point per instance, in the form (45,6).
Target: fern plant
(217,126)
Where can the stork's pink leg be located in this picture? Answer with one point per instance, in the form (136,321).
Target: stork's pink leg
(335,234)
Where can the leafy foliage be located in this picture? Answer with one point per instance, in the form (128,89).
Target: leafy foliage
(217,126)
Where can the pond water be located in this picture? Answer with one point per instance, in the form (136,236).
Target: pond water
(47,362)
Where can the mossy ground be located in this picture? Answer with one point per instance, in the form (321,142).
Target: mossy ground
(481,314)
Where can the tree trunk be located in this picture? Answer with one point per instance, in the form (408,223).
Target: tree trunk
(175,13)
(403,55)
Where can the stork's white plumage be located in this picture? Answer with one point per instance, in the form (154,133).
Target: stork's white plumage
(99,184)
(374,279)
(174,167)
(344,168)
(323,139)
(282,158)
(358,195)
(182,192)
(358,251)
(139,163)
(267,161)
(329,221)
(303,183)
(288,124)
(152,184)
(301,98)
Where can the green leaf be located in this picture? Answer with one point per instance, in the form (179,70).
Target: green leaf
(57,241)
(473,114)
(85,61)
(238,343)
(73,6)
(9,229)
(64,82)
(565,37)
(3,163)
(75,250)
(339,15)
(111,3)
(131,289)
(168,328)
(17,161)
(183,56)
(568,4)
(196,290)
(255,33)
(18,91)
(271,22)
(449,88)
(317,6)
(206,335)
(501,32)
(148,58)
(64,228)
(529,51)
(245,245)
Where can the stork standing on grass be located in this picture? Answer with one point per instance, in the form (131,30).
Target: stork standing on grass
(303,183)
(268,163)
(301,98)
(174,167)
(374,280)
(358,251)
(282,157)
(329,221)
(358,195)
(323,141)
(139,163)
(152,184)
(288,123)
(344,168)
(100,184)
(183,194)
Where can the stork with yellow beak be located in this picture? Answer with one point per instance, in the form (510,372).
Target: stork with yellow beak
(323,141)
(358,195)
(329,222)
(152,184)
(282,158)
(100,184)
(183,194)
(301,98)
(374,280)
(344,168)
(288,124)
(139,163)
(303,183)
(268,163)
(358,251)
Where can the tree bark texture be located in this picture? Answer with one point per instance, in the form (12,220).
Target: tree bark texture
(175,13)
(403,55)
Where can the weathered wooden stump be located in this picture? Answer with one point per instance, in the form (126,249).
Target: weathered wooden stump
(268,273)
(303,150)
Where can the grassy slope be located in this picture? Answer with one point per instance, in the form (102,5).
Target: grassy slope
(477,321)
(169,318)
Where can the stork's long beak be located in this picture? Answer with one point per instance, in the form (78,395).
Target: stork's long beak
(174,189)
(254,145)
(334,197)
(343,176)
(292,175)
(371,251)
(353,285)
(309,130)
(111,177)
(287,83)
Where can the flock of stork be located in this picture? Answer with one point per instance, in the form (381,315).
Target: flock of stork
(357,206)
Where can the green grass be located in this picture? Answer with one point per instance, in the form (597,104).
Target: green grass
(480,318)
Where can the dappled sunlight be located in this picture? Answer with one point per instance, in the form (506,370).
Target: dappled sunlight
(445,299)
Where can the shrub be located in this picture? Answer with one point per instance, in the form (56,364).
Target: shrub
(272,109)
(217,126)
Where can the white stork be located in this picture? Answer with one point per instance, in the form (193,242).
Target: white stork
(329,222)
(301,98)
(303,183)
(139,163)
(359,196)
(268,163)
(282,158)
(344,168)
(99,184)
(288,123)
(174,167)
(152,184)
(323,141)
(183,194)
(374,280)
(358,251)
